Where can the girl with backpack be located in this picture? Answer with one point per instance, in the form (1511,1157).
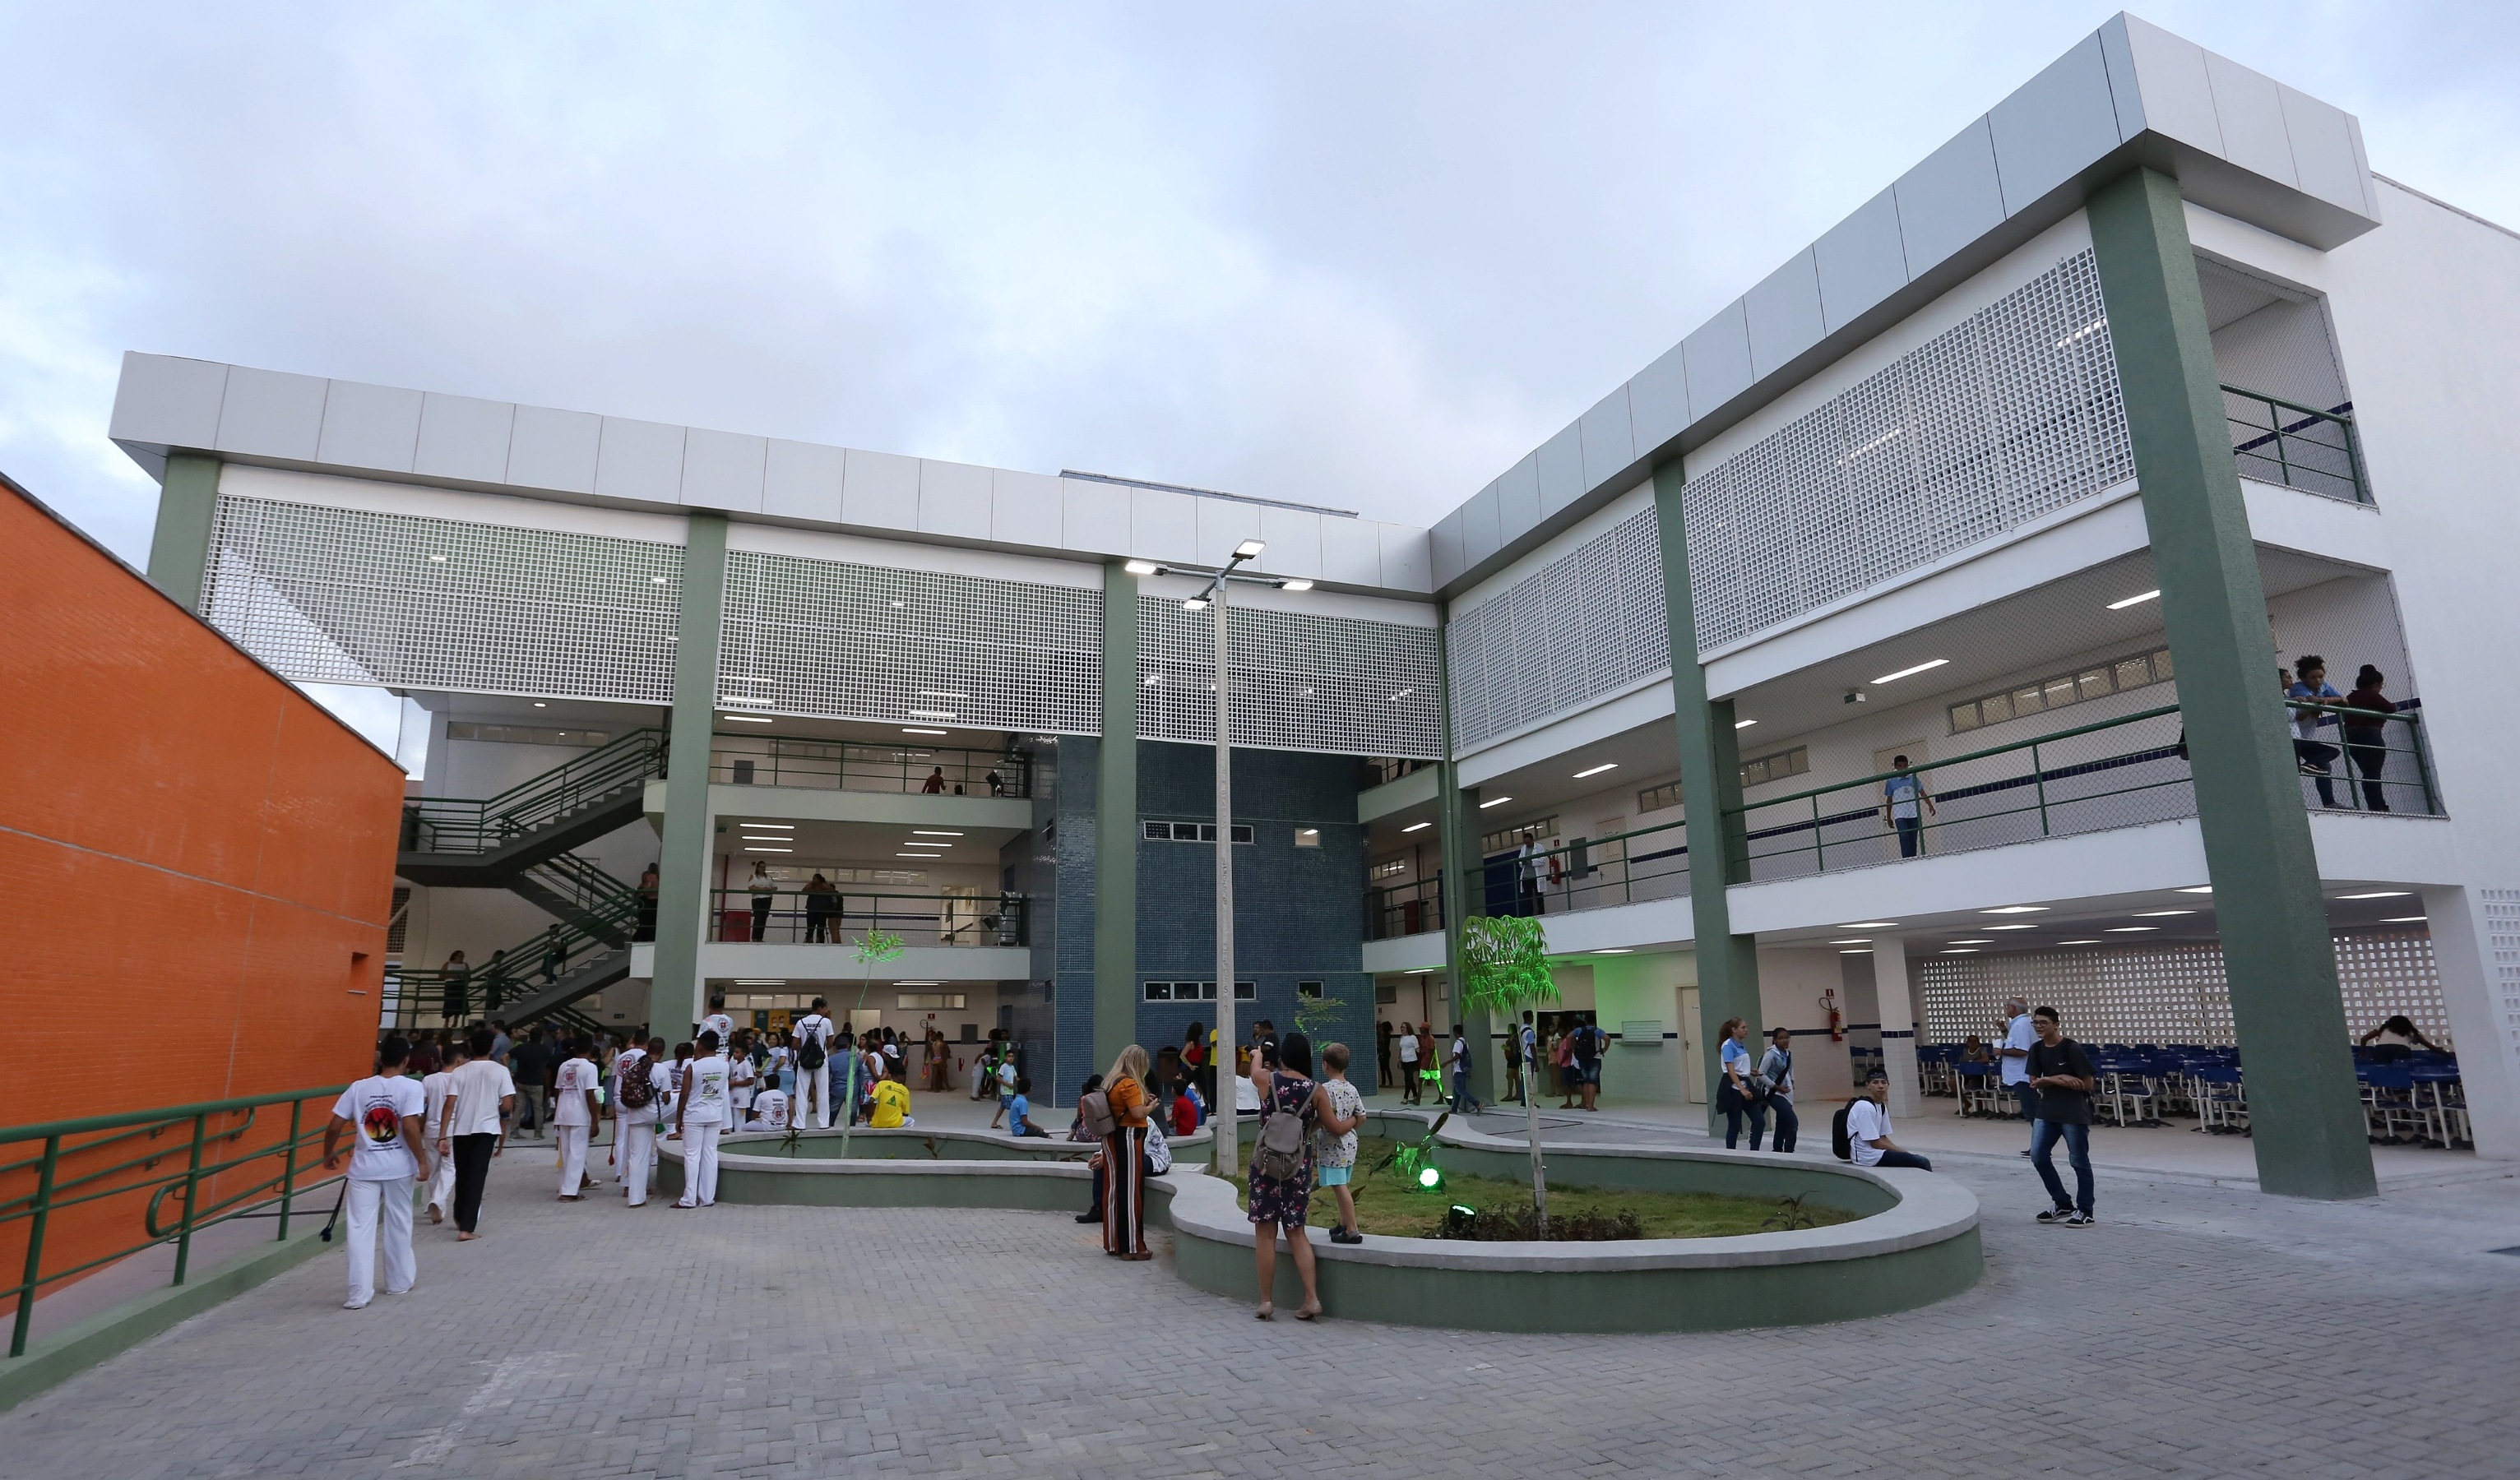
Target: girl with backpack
(1291,1105)
(1117,1114)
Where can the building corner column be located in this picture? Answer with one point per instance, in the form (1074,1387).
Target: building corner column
(1115,825)
(1710,784)
(1893,985)
(179,549)
(682,860)
(1457,823)
(2305,1110)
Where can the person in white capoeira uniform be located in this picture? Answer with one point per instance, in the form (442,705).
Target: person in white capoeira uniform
(641,1082)
(436,1092)
(700,1110)
(814,1033)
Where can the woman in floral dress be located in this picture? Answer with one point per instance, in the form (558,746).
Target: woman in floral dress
(1285,1203)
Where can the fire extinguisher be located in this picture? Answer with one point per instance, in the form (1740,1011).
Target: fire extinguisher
(1837,1024)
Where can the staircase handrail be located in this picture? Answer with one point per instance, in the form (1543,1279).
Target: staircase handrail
(537,800)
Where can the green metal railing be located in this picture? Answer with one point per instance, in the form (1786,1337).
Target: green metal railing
(2279,442)
(449,825)
(1411,909)
(768,760)
(2118,773)
(415,994)
(1591,873)
(792,917)
(102,1157)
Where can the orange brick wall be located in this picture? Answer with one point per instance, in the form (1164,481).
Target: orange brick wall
(196,860)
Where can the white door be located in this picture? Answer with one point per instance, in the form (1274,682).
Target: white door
(1691,1073)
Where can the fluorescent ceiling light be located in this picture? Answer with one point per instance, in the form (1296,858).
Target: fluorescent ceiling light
(907,730)
(1960,953)
(1972,942)
(941,694)
(2195,889)
(1417,971)
(1597,770)
(1308,831)
(1297,584)
(1616,951)
(2132,600)
(2016,910)
(1498,802)
(769,850)
(746,719)
(1858,950)
(934,833)
(1250,550)
(931,713)
(656,580)
(2010,927)
(1140,567)
(1744,724)
(1871,924)
(930,857)
(2380,894)
(2078,943)
(1860,940)
(2131,930)
(919,984)
(1905,672)
(539,704)
(1416,827)
(2405,919)
(1196,604)
(2160,914)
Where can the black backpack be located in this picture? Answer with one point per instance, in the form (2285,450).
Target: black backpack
(1838,1141)
(809,1053)
(638,1089)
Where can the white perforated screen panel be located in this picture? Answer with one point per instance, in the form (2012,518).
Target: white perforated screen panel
(1332,684)
(2002,418)
(346,596)
(1588,623)
(842,641)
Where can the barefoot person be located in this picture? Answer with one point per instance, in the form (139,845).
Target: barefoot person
(575,1111)
(474,1129)
(382,1114)
(700,1112)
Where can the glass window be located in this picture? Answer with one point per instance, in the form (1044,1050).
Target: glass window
(1964,717)
(2059,692)
(2133,673)
(1995,708)
(2161,665)
(1159,990)
(1657,799)
(2093,683)
(1159,831)
(2030,701)
(1305,837)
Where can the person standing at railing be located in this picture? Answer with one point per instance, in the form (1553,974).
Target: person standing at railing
(2310,683)
(821,899)
(457,978)
(483,1095)
(765,891)
(383,1112)
(2366,741)
(934,786)
(575,1111)
(1906,804)
(647,891)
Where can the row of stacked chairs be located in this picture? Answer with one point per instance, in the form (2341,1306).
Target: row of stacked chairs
(2409,1097)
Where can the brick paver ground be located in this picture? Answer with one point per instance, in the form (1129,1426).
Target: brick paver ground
(2198,1331)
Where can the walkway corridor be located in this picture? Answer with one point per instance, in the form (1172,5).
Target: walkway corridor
(2198,1331)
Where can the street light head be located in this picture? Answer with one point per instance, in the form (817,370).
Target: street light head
(1248,550)
(1298,584)
(1142,567)
(1194,603)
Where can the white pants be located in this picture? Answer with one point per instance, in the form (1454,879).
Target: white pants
(815,1082)
(366,1203)
(699,1166)
(572,1157)
(637,1150)
(441,1185)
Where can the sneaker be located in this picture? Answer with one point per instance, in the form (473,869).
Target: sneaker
(2055,1215)
(354,1305)
(2081,1221)
(2025,1151)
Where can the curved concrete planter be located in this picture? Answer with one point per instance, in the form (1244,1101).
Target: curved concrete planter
(1916,1243)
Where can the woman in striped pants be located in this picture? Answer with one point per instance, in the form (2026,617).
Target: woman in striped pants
(1124,1157)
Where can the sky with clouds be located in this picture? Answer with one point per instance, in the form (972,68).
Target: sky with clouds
(1356,255)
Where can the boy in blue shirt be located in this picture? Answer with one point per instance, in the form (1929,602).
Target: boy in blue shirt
(1020,1111)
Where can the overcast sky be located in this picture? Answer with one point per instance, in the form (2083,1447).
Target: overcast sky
(1360,256)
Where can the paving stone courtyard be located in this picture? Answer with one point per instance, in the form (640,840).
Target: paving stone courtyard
(2198,1331)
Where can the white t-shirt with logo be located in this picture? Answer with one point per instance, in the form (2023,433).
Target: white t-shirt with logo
(770,1110)
(741,1079)
(1866,1123)
(720,1024)
(2020,1034)
(659,1081)
(569,1093)
(375,1108)
(709,1092)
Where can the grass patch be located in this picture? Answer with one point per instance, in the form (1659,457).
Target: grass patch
(1387,1203)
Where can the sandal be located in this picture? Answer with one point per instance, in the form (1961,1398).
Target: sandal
(1312,1309)
(1267,1310)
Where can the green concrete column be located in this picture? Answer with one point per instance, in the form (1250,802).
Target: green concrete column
(683,866)
(1710,783)
(1115,825)
(2305,1112)
(1465,879)
(179,552)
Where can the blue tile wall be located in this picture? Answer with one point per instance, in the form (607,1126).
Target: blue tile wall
(1029,867)
(1067,964)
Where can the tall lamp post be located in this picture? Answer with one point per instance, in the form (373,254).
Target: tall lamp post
(1224,1117)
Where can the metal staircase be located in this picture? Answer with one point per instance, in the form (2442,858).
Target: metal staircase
(448,842)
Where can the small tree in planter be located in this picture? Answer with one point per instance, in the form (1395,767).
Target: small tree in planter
(1505,966)
(873,949)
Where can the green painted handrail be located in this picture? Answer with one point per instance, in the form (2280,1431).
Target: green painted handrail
(51,1192)
(2049,739)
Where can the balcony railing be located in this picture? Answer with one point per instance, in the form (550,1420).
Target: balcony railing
(448,825)
(2119,772)
(1410,909)
(2277,441)
(1389,769)
(792,917)
(1591,873)
(762,760)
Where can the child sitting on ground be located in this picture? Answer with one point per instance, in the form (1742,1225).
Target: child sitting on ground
(1184,1113)
(1019,1110)
(891,1103)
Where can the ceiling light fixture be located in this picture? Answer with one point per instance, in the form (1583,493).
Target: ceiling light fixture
(908,730)
(2078,942)
(1597,770)
(769,850)
(2018,909)
(930,857)
(2380,894)
(746,719)
(1890,678)
(2405,919)
(1298,583)
(2131,930)
(1859,951)
(1152,679)
(1403,693)
(1860,940)
(2011,928)
(1960,953)
(2160,914)
(1744,724)
(1416,827)
(2132,600)
(935,832)
(1871,924)
(2195,889)
(1616,951)
(1498,802)
(1972,942)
